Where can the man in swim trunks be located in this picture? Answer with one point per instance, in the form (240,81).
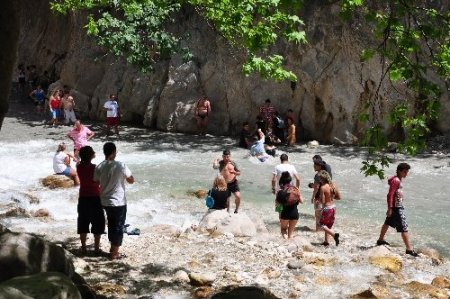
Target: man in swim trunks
(328,194)
(202,112)
(229,170)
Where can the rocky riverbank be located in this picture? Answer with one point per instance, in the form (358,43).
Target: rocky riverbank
(167,261)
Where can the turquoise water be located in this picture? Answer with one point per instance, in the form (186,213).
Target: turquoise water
(167,166)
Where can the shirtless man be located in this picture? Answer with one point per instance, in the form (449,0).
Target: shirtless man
(229,170)
(328,194)
(202,112)
(68,104)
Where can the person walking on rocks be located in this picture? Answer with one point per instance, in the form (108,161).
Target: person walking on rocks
(111,175)
(111,107)
(229,170)
(395,215)
(90,211)
(286,202)
(319,165)
(282,167)
(80,135)
(328,193)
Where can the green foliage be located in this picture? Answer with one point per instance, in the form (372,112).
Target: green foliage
(414,44)
(137,29)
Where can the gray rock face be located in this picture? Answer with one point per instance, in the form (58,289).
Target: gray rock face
(39,286)
(334,87)
(24,254)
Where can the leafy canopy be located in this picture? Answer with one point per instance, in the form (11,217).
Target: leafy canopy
(138,29)
(414,48)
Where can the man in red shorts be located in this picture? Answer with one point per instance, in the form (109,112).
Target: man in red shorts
(112,114)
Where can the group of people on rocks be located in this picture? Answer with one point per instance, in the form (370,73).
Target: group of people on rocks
(102,187)
(272,130)
(324,196)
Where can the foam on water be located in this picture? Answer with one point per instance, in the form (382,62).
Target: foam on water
(164,173)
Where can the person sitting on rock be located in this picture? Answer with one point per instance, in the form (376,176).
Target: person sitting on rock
(221,194)
(61,164)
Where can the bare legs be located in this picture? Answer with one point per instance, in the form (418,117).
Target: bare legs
(405,236)
(83,238)
(287,228)
(237,200)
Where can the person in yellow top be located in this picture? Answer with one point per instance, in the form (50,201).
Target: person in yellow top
(291,139)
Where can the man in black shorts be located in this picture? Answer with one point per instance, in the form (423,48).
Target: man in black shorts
(229,171)
(395,215)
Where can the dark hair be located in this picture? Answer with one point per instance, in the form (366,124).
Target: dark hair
(285,178)
(226,152)
(86,153)
(268,101)
(403,166)
(317,157)
(321,163)
(245,123)
(109,148)
(283,157)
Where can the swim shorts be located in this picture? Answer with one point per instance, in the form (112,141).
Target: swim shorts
(112,121)
(65,172)
(397,220)
(233,186)
(327,217)
(90,212)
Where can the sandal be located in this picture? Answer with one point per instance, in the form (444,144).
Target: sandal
(412,253)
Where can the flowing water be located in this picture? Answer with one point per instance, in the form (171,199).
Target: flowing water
(166,166)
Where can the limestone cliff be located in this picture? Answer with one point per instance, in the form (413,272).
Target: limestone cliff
(333,88)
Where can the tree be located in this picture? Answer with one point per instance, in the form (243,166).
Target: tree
(414,49)
(412,44)
(137,29)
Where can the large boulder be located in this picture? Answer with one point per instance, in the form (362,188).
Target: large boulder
(43,285)
(25,254)
(57,181)
(220,221)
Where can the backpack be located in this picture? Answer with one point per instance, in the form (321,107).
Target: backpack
(289,196)
(209,200)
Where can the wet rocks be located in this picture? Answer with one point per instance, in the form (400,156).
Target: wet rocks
(441,282)
(422,289)
(391,263)
(201,279)
(296,264)
(181,276)
(244,292)
(109,289)
(57,181)
(201,193)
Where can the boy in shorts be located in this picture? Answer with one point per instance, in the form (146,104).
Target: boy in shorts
(395,215)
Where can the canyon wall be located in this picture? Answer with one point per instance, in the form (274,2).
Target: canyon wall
(334,86)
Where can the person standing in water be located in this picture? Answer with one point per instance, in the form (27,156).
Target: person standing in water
(229,170)
(395,215)
(111,175)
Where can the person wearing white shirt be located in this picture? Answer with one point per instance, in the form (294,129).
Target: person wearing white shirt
(111,176)
(280,168)
(111,107)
